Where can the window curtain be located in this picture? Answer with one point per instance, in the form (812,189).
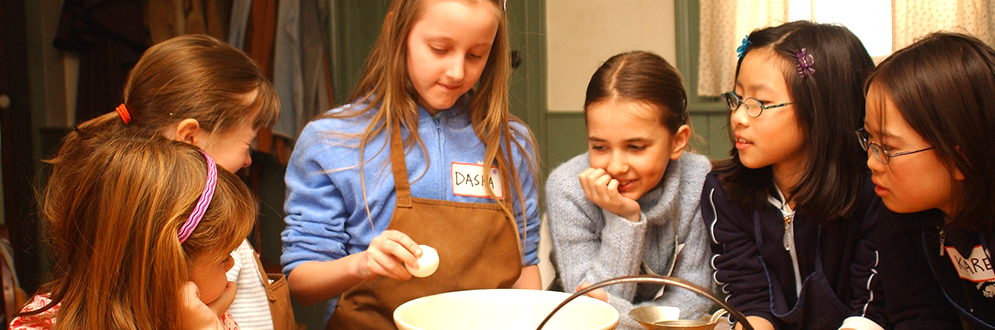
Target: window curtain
(723,24)
(914,19)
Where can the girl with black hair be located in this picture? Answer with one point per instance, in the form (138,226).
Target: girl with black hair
(934,167)
(791,215)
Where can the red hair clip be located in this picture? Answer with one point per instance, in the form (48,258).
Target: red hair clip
(123,112)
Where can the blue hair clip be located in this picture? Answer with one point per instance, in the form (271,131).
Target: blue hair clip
(805,63)
(741,50)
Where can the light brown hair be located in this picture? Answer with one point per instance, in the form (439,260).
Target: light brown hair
(194,76)
(114,204)
(386,89)
(641,76)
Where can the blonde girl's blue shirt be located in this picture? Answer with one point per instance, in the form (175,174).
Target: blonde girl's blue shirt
(325,207)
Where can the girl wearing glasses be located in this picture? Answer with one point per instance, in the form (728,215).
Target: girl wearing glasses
(629,205)
(933,165)
(791,214)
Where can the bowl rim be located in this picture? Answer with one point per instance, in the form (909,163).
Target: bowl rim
(564,295)
(636,310)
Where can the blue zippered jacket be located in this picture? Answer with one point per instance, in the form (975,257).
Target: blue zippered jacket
(325,204)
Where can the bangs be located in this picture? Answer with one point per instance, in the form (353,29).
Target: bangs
(266,106)
(880,99)
(228,219)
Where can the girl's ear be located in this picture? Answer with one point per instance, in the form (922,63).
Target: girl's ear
(957,174)
(186,131)
(679,141)
(954,170)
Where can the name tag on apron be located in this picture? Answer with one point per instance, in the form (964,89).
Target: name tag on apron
(975,268)
(468,180)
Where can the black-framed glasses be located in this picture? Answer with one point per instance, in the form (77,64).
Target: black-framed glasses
(877,150)
(753,106)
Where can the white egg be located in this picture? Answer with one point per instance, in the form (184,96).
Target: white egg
(427,264)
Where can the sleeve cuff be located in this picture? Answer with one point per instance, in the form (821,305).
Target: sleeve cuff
(860,323)
(618,218)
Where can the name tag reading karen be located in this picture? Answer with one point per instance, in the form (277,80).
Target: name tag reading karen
(468,180)
(975,268)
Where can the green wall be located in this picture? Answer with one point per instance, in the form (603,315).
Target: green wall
(566,134)
(709,115)
(566,137)
(353,29)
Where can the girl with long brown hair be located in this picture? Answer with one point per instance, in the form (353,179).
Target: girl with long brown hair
(202,91)
(622,207)
(141,232)
(427,153)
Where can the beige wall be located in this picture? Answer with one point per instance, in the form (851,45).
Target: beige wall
(582,34)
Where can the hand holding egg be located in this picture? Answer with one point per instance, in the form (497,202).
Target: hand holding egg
(427,263)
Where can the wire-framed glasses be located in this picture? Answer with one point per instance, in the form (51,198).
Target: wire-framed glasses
(877,150)
(753,106)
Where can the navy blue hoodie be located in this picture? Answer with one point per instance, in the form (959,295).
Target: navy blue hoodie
(925,289)
(836,267)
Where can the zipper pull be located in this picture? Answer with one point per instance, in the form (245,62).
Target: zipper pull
(942,240)
(787,233)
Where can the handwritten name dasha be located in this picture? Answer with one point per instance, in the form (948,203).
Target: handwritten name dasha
(472,179)
(468,180)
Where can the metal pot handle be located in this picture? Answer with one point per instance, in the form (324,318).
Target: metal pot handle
(664,280)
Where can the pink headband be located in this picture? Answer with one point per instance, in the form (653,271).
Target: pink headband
(202,202)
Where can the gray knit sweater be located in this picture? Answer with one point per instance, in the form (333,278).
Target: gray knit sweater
(593,245)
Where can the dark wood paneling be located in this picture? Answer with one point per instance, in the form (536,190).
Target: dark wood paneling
(17,145)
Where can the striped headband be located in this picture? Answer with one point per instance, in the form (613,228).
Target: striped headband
(202,202)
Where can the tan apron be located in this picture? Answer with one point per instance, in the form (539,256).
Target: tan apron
(278,295)
(478,249)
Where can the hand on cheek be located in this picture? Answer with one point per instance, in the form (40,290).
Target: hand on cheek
(194,314)
(220,305)
(600,188)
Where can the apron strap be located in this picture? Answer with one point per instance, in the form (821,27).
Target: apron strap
(400,170)
(399,167)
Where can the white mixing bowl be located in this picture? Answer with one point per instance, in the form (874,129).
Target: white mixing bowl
(504,309)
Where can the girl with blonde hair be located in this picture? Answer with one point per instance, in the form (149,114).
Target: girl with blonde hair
(361,196)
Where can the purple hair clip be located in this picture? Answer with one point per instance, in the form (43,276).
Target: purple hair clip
(741,50)
(805,63)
